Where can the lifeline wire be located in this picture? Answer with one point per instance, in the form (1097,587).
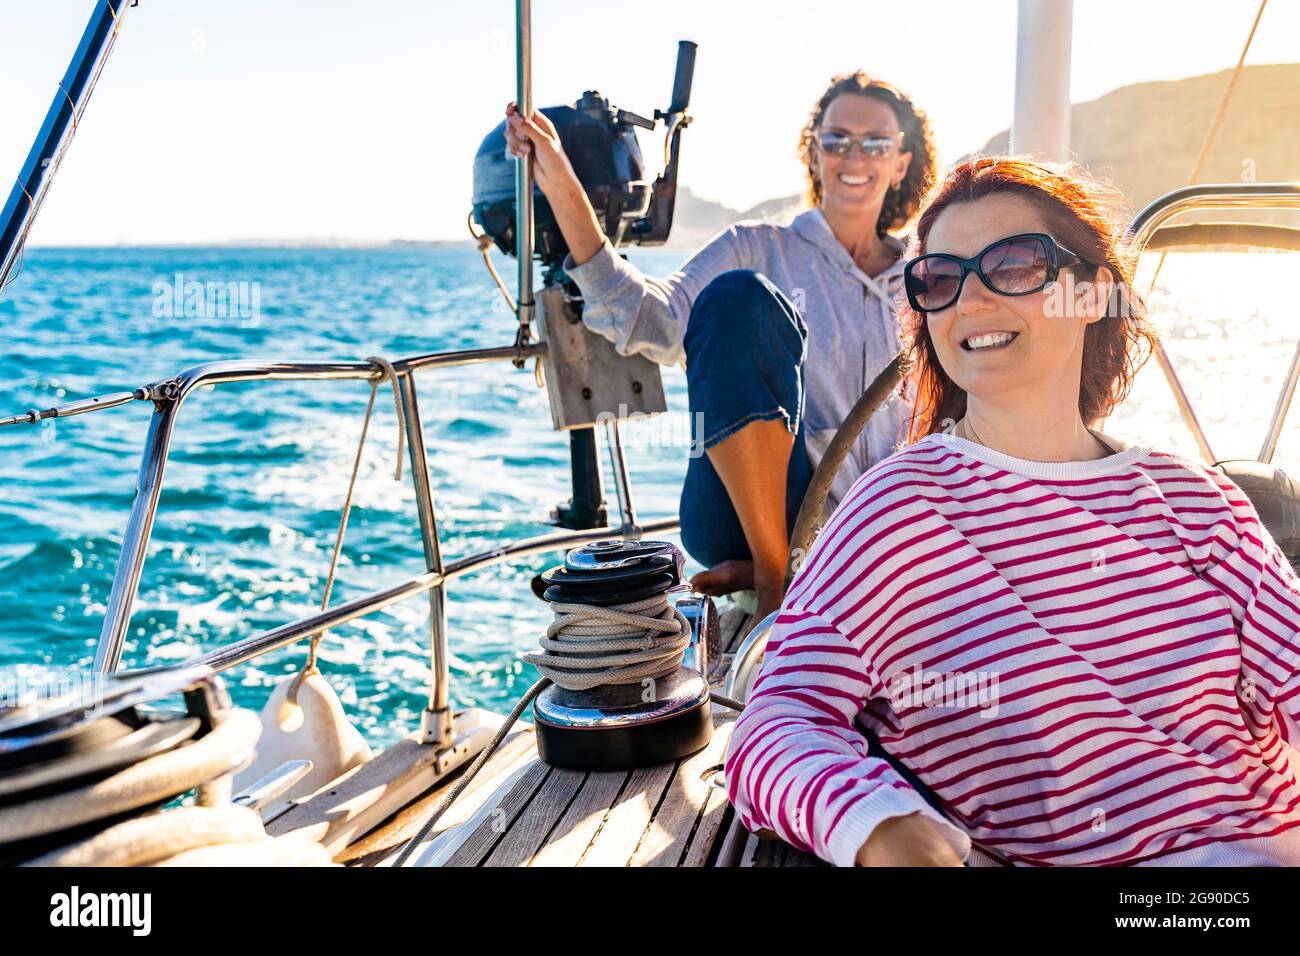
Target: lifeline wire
(1213,133)
(386,367)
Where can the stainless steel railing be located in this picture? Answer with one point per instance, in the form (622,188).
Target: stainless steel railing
(1144,228)
(436,721)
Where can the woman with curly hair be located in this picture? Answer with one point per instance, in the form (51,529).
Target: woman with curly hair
(1086,653)
(780,327)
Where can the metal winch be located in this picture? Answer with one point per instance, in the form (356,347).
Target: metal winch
(629,669)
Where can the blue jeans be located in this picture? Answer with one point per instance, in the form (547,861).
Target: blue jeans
(745,349)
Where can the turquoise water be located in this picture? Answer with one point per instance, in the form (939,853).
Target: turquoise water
(258,471)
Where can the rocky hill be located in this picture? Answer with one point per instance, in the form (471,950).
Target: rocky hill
(1142,138)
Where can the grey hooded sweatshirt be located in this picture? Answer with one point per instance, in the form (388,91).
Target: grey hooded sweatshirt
(852,333)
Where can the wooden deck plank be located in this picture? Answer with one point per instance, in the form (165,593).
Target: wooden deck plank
(670,834)
(711,826)
(345,810)
(529,830)
(438,850)
(768,850)
(501,817)
(627,820)
(405,824)
(582,820)
(709,830)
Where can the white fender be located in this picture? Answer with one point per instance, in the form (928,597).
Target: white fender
(314,729)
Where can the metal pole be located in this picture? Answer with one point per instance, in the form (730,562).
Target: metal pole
(1184,403)
(135,543)
(1213,196)
(1041,122)
(56,132)
(435,722)
(524,169)
(1284,400)
(622,482)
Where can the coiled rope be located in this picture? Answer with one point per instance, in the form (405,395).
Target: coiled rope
(224,749)
(584,647)
(587,646)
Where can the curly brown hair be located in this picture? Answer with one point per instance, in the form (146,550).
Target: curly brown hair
(902,203)
(1079,211)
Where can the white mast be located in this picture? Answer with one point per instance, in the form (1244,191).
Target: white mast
(1041,126)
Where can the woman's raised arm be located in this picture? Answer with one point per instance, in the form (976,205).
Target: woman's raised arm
(556,179)
(638,313)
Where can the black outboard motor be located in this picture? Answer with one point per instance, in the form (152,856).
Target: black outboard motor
(587,381)
(600,141)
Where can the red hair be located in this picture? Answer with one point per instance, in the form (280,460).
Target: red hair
(1078,213)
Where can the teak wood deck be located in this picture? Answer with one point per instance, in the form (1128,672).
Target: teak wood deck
(520,811)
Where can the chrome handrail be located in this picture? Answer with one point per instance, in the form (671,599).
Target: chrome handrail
(436,725)
(1218,196)
(246,650)
(153,464)
(1210,196)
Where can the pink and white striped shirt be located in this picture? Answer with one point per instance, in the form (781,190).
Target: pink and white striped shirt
(1092,662)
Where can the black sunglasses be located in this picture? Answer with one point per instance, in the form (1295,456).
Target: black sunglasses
(1017,265)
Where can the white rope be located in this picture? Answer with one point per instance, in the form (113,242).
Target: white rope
(588,646)
(156,837)
(289,850)
(484,246)
(390,373)
(189,836)
(225,748)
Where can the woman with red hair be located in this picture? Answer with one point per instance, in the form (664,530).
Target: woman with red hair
(1086,653)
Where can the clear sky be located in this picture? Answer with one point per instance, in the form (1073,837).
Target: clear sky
(359,119)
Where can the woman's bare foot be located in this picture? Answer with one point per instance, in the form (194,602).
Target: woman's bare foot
(738,575)
(734,575)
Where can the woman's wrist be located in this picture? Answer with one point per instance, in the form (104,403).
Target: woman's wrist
(578,223)
(910,840)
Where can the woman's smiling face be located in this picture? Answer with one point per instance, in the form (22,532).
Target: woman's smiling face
(856,179)
(1045,351)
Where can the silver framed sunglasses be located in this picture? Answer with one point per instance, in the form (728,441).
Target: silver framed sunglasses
(874,145)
